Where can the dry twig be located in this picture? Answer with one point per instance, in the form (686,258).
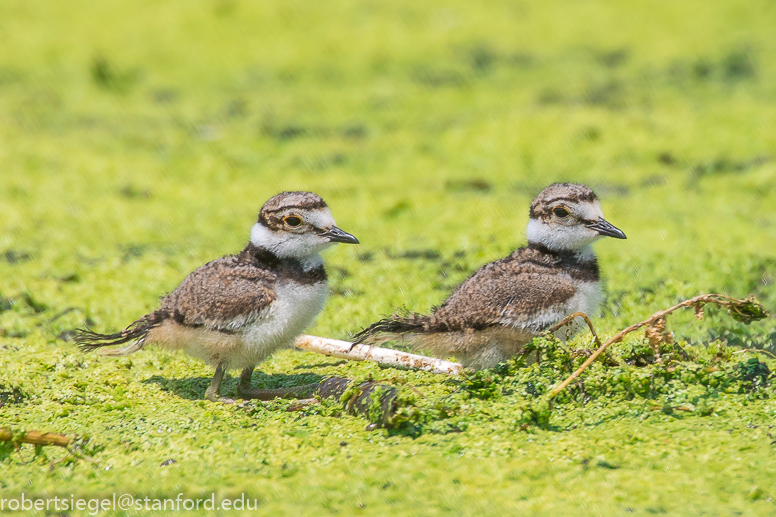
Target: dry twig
(744,310)
(387,356)
(755,350)
(35,438)
(568,319)
(40,439)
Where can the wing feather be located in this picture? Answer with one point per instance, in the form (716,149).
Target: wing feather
(500,293)
(224,294)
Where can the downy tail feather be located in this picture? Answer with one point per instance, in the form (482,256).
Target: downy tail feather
(135,334)
(396,327)
(475,347)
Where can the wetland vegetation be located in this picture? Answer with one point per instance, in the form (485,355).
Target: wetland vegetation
(139,139)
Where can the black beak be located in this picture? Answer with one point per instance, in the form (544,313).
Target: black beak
(606,228)
(336,235)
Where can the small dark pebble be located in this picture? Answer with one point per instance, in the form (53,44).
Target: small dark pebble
(343,444)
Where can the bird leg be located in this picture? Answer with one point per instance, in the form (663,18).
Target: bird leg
(245,391)
(213,392)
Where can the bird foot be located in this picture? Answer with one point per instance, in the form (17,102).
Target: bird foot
(214,396)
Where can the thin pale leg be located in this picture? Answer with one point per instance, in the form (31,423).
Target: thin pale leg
(213,392)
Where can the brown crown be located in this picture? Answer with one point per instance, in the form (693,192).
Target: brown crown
(286,200)
(572,192)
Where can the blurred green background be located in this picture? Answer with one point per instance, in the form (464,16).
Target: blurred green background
(138,140)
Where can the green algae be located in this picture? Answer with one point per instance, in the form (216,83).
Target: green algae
(138,140)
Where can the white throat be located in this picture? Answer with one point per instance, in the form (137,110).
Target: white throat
(577,239)
(290,245)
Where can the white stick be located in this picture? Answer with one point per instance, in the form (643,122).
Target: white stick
(342,349)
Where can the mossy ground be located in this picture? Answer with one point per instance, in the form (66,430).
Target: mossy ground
(139,139)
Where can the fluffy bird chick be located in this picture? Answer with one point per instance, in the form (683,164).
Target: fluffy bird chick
(490,316)
(235,311)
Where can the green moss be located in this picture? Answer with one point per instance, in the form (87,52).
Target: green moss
(144,145)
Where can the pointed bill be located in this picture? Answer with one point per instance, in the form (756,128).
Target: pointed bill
(604,227)
(334,234)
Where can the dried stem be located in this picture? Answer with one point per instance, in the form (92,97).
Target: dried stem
(386,356)
(745,310)
(755,350)
(38,438)
(35,438)
(569,318)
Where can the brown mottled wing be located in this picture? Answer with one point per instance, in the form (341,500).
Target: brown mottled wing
(224,294)
(508,292)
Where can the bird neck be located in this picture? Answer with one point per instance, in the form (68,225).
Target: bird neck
(304,247)
(584,254)
(261,256)
(560,240)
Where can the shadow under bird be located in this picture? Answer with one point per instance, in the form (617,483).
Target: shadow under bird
(235,311)
(501,307)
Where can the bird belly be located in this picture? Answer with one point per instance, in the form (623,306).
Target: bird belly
(294,309)
(211,346)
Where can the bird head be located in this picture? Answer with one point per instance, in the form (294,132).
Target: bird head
(568,217)
(298,225)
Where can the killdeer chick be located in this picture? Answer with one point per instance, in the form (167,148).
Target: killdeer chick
(235,311)
(490,316)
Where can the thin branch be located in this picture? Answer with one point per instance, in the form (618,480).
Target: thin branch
(755,350)
(746,310)
(38,438)
(386,356)
(35,438)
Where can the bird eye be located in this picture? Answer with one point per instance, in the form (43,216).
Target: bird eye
(292,220)
(560,212)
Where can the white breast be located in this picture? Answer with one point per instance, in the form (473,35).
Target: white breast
(294,309)
(587,299)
